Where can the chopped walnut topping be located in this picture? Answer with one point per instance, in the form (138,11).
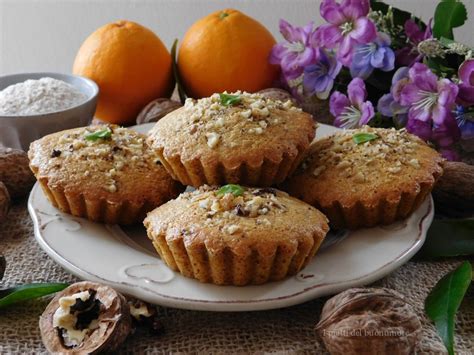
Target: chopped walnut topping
(356,160)
(415,163)
(108,157)
(212,139)
(232,229)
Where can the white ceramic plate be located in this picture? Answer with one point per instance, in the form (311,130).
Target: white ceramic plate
(125,259)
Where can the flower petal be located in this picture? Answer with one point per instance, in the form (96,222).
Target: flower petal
(413,31)
(466,95)
(344,54)
(419,128)
(331,11)
(288,31)
(409,94)
(354,9)
(364,30)
(466,72)
(423,77)
(388,60)
(367,112)
(356,92)
(383,105)
(327,35)
(447,93)
(337,103)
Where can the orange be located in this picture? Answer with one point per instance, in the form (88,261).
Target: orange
(130,65)
(226,50)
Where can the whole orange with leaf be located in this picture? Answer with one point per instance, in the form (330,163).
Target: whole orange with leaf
(226,50)
(130,65)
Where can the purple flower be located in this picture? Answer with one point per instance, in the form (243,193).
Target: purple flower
(348,26)
(429,99)
(445,135)
(389,104)
(466,88)
(374,55)
(319,77)
(409,54)
(296,53)
(352,111)
(465,120)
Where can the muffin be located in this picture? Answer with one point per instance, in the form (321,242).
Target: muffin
(238,138)
(236,236)
(103,173)
(366,177)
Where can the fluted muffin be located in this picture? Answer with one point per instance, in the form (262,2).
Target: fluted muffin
(238,138)
(103,173)
(236,236)
(366,177)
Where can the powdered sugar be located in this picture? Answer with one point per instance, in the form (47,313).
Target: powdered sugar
(39,96)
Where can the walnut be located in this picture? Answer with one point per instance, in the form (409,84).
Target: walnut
(156,110)
(453,193)
(277,94)
(15,172)
(85,318)
(4,202)
(369,321)
(145,314)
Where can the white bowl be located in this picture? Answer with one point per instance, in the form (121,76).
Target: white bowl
(20,131)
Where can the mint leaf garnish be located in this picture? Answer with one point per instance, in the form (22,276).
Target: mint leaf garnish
(360,138)
(235,190)
(101,134)
(229,100)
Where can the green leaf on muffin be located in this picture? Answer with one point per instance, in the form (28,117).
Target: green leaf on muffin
(360,138)
(229,100)
(100,134)
(235,190)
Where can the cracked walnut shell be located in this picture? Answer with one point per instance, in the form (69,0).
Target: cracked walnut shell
(15,172)
(101,318)
(4,202)
(369,321)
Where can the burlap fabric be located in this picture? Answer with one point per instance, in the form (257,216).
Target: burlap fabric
(283,331)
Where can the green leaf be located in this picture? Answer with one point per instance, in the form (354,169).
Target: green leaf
(360,138)
(179,84)
(100,134)
(448,15)
(235,190)
(28,291)
(449,237)
(229,100)
(444,300)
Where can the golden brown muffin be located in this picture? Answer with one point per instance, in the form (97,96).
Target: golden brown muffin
(236,138)
(235,235)
(366,177)
(103,173)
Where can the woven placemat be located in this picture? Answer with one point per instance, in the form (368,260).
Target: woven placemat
(282,331)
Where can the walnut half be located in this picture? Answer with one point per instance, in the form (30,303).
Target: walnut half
(369,321)
(85,318)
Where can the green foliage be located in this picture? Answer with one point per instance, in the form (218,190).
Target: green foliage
(444,300)
(449,237)
(25,292)
(449,14)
